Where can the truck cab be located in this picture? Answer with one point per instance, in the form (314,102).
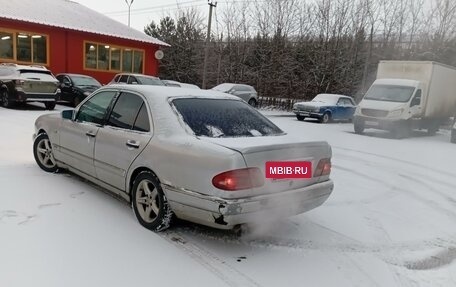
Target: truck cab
(407,95)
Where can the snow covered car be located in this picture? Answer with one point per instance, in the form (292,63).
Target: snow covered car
(197,154)
(25,83)
(245,92)
(326,107)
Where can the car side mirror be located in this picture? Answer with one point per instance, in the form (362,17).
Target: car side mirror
(68,114)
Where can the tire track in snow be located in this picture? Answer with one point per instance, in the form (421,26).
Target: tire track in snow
(426,201)
(214,264)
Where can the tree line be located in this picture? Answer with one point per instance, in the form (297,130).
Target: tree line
(295,49)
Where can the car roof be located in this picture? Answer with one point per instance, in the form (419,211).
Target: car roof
(25,67)
(73,75)
(165,92)
(336,96)
(137,75)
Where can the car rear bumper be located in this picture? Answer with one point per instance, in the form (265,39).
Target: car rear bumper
(22,96)
(227,213)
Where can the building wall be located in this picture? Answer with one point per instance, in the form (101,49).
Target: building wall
(66,49)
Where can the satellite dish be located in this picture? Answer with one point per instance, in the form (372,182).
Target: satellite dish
(159,54)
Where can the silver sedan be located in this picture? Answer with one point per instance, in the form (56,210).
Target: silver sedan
(198,155)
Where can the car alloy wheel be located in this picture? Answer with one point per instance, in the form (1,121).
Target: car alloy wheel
(149,202)
(325,118)
(5,99)
(43,153)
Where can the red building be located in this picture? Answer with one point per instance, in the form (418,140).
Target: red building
(68,37)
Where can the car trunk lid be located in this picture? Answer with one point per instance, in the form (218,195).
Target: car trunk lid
(259,150)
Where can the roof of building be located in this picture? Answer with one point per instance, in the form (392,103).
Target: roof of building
(71,15)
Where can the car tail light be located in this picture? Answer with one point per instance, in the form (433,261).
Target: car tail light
(239,179)
(323,167)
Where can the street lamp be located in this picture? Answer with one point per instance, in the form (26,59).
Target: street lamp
(129,6)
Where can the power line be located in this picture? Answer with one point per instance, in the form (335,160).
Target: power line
(147,9)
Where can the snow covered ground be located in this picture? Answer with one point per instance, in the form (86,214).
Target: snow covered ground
(391,221)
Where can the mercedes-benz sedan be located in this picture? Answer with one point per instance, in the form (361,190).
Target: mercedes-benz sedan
(198,155)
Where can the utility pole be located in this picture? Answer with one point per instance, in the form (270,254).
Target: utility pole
(129,9)
(208,37)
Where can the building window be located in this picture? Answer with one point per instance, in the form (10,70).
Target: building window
(105,57)
(30,48)
(6,45)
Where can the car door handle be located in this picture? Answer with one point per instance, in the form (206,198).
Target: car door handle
(91,134)
(133,144)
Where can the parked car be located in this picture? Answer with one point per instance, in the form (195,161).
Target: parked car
(326,107)
(23,83)
(245,92)
(136,79)
(171,83)
(197,154)
(76,87)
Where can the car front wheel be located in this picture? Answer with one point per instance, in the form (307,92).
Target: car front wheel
(149,202)
(49,105)
(43,153)
(300,118)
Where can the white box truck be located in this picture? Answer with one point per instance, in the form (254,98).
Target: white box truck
(408,95)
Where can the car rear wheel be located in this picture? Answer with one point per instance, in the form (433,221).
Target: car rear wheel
(6,103)
(76,101)
(149,202)
(300,118)
(43,153)
(253,103)
(49,105)
(325,118)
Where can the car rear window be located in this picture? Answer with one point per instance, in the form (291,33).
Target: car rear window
(37,75)
(224,118)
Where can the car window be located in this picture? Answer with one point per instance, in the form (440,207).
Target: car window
(37,75)
(242,88)
(224,118)
(60,78)
(94,110)
(142,122)
(132,80)
(66,80)
(116,78)
(123,79)
(125,111)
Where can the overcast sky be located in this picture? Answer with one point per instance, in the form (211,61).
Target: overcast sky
(142,11)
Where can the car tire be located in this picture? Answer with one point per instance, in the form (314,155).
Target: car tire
(253,103)
(325,118)
(43,153)
(49,105)
(149,202)
(359,127)
(300,118)
(4,97)
(76,101)
(453,136)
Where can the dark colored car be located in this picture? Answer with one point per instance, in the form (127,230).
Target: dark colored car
(23,83)
(245,92)
(136,79)
(326,107)
(76,87)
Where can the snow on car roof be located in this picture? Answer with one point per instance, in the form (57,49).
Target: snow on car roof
(165,92)
(70,15)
